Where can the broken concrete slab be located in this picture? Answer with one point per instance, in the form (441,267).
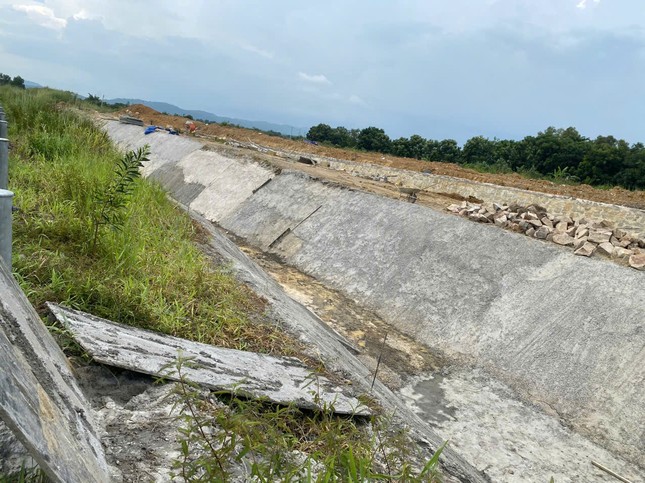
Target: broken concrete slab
(283,380)
(40,400)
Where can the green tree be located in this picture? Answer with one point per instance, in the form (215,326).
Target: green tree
(632,176)
(401,147)
(110,203)
(555,149)
(342,137)
(604,160)
(94,100)
(417,146)
(478,150)
(374,139)
(448,151)
(320,133)
(18,81)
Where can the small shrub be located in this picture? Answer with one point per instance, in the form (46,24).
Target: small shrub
(111,203)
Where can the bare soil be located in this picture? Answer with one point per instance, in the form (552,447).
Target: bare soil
(618,196)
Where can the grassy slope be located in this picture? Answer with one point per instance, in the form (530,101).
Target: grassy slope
(148,274)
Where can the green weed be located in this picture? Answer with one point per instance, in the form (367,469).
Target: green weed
(223,437)
(26,474)
(149,274)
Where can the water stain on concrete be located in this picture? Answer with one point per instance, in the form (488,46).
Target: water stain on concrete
(370,337)
(429,399)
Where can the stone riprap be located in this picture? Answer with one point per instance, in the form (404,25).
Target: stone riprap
(586,237)
(565,332)
(632,219)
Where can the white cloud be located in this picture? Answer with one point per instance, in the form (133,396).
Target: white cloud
(83,14)
(315,78)
(43,16)
(262,53)
(583,3)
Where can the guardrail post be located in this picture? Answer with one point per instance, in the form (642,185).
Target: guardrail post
(2,114)
(4,163)
(6,203)
(4,129)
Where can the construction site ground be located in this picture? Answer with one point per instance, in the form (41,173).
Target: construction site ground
(218,133)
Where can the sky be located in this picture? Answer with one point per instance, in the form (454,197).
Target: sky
(438,68)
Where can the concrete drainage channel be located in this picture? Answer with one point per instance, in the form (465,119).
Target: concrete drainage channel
(533,360)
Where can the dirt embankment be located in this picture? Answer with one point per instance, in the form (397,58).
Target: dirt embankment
(618,196)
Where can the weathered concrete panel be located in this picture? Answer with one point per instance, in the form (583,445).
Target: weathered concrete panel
(263,219)
(171,177)
(164,147)
(283,380)
(39,398)
(227,182)
(327,345)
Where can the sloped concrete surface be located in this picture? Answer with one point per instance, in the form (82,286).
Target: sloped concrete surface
(164,147)
(40,401)
(565,332)
(264,220)
(220,197)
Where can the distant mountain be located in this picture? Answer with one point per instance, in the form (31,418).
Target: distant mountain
(31,85)
(209,116)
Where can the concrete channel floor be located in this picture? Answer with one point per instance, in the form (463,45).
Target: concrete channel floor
(508,439)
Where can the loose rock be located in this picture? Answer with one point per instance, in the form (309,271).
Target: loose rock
(637,261)
(584,236)
(599,237)
(622,253)
(578,242)
(586,250)
(562,227)
(581,231)
(542,232)
(618,233)
(562,239)
(606,249)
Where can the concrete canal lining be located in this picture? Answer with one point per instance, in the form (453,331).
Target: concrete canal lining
(565,332)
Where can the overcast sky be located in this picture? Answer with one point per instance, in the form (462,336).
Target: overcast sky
(438,68)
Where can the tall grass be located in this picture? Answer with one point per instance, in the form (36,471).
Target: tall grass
(150,273)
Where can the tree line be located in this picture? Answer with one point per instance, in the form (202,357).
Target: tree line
(562,154)
(17,81)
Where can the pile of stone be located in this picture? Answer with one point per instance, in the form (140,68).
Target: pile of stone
(586,237)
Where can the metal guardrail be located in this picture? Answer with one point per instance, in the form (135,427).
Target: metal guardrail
(6,197)
(4,163)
